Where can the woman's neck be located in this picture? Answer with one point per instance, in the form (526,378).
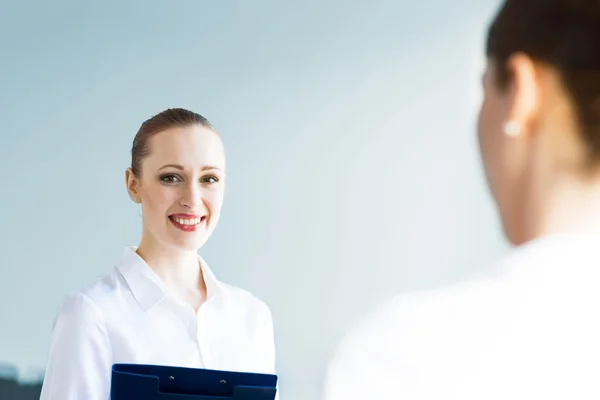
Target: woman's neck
(179,270)
(572,206)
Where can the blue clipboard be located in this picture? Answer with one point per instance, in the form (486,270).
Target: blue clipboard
(155,382)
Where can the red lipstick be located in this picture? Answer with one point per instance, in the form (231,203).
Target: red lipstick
(187,222)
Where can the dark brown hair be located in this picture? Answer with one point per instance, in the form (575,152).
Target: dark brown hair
(171,118)
(564,34)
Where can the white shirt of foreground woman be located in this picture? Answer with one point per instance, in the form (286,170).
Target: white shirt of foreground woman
(528,330)
(129,316)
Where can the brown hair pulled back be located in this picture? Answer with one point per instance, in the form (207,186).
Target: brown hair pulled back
(564,34)
(167,119)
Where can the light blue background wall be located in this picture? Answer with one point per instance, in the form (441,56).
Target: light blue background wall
(349,128)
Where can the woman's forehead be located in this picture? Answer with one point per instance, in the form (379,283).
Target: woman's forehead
(193,147)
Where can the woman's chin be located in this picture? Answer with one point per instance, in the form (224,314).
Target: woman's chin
(191,243)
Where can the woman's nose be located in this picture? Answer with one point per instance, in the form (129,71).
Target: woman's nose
(191,198)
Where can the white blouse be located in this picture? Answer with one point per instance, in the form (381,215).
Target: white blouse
(128,316)
(530,329)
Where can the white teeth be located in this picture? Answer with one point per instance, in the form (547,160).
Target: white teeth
(193,221)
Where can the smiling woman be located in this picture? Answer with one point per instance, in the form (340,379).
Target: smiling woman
(178,175)
(161,304)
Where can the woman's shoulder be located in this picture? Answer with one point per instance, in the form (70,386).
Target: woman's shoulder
(93,296)
(244,298)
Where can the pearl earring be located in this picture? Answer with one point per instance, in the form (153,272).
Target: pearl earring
(512,129)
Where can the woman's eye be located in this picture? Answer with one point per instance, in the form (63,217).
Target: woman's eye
(210,179)
(169,179)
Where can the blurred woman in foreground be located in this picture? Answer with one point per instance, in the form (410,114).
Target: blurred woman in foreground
(530,331)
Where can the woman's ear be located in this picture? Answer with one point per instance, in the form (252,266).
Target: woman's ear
(525,96)
(132,184)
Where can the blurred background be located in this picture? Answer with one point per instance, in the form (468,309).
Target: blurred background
(350,132)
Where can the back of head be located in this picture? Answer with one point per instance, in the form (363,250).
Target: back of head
(564,34)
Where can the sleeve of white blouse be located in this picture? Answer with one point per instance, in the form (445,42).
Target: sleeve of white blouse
(269,347)
(80,360)
(380,358)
